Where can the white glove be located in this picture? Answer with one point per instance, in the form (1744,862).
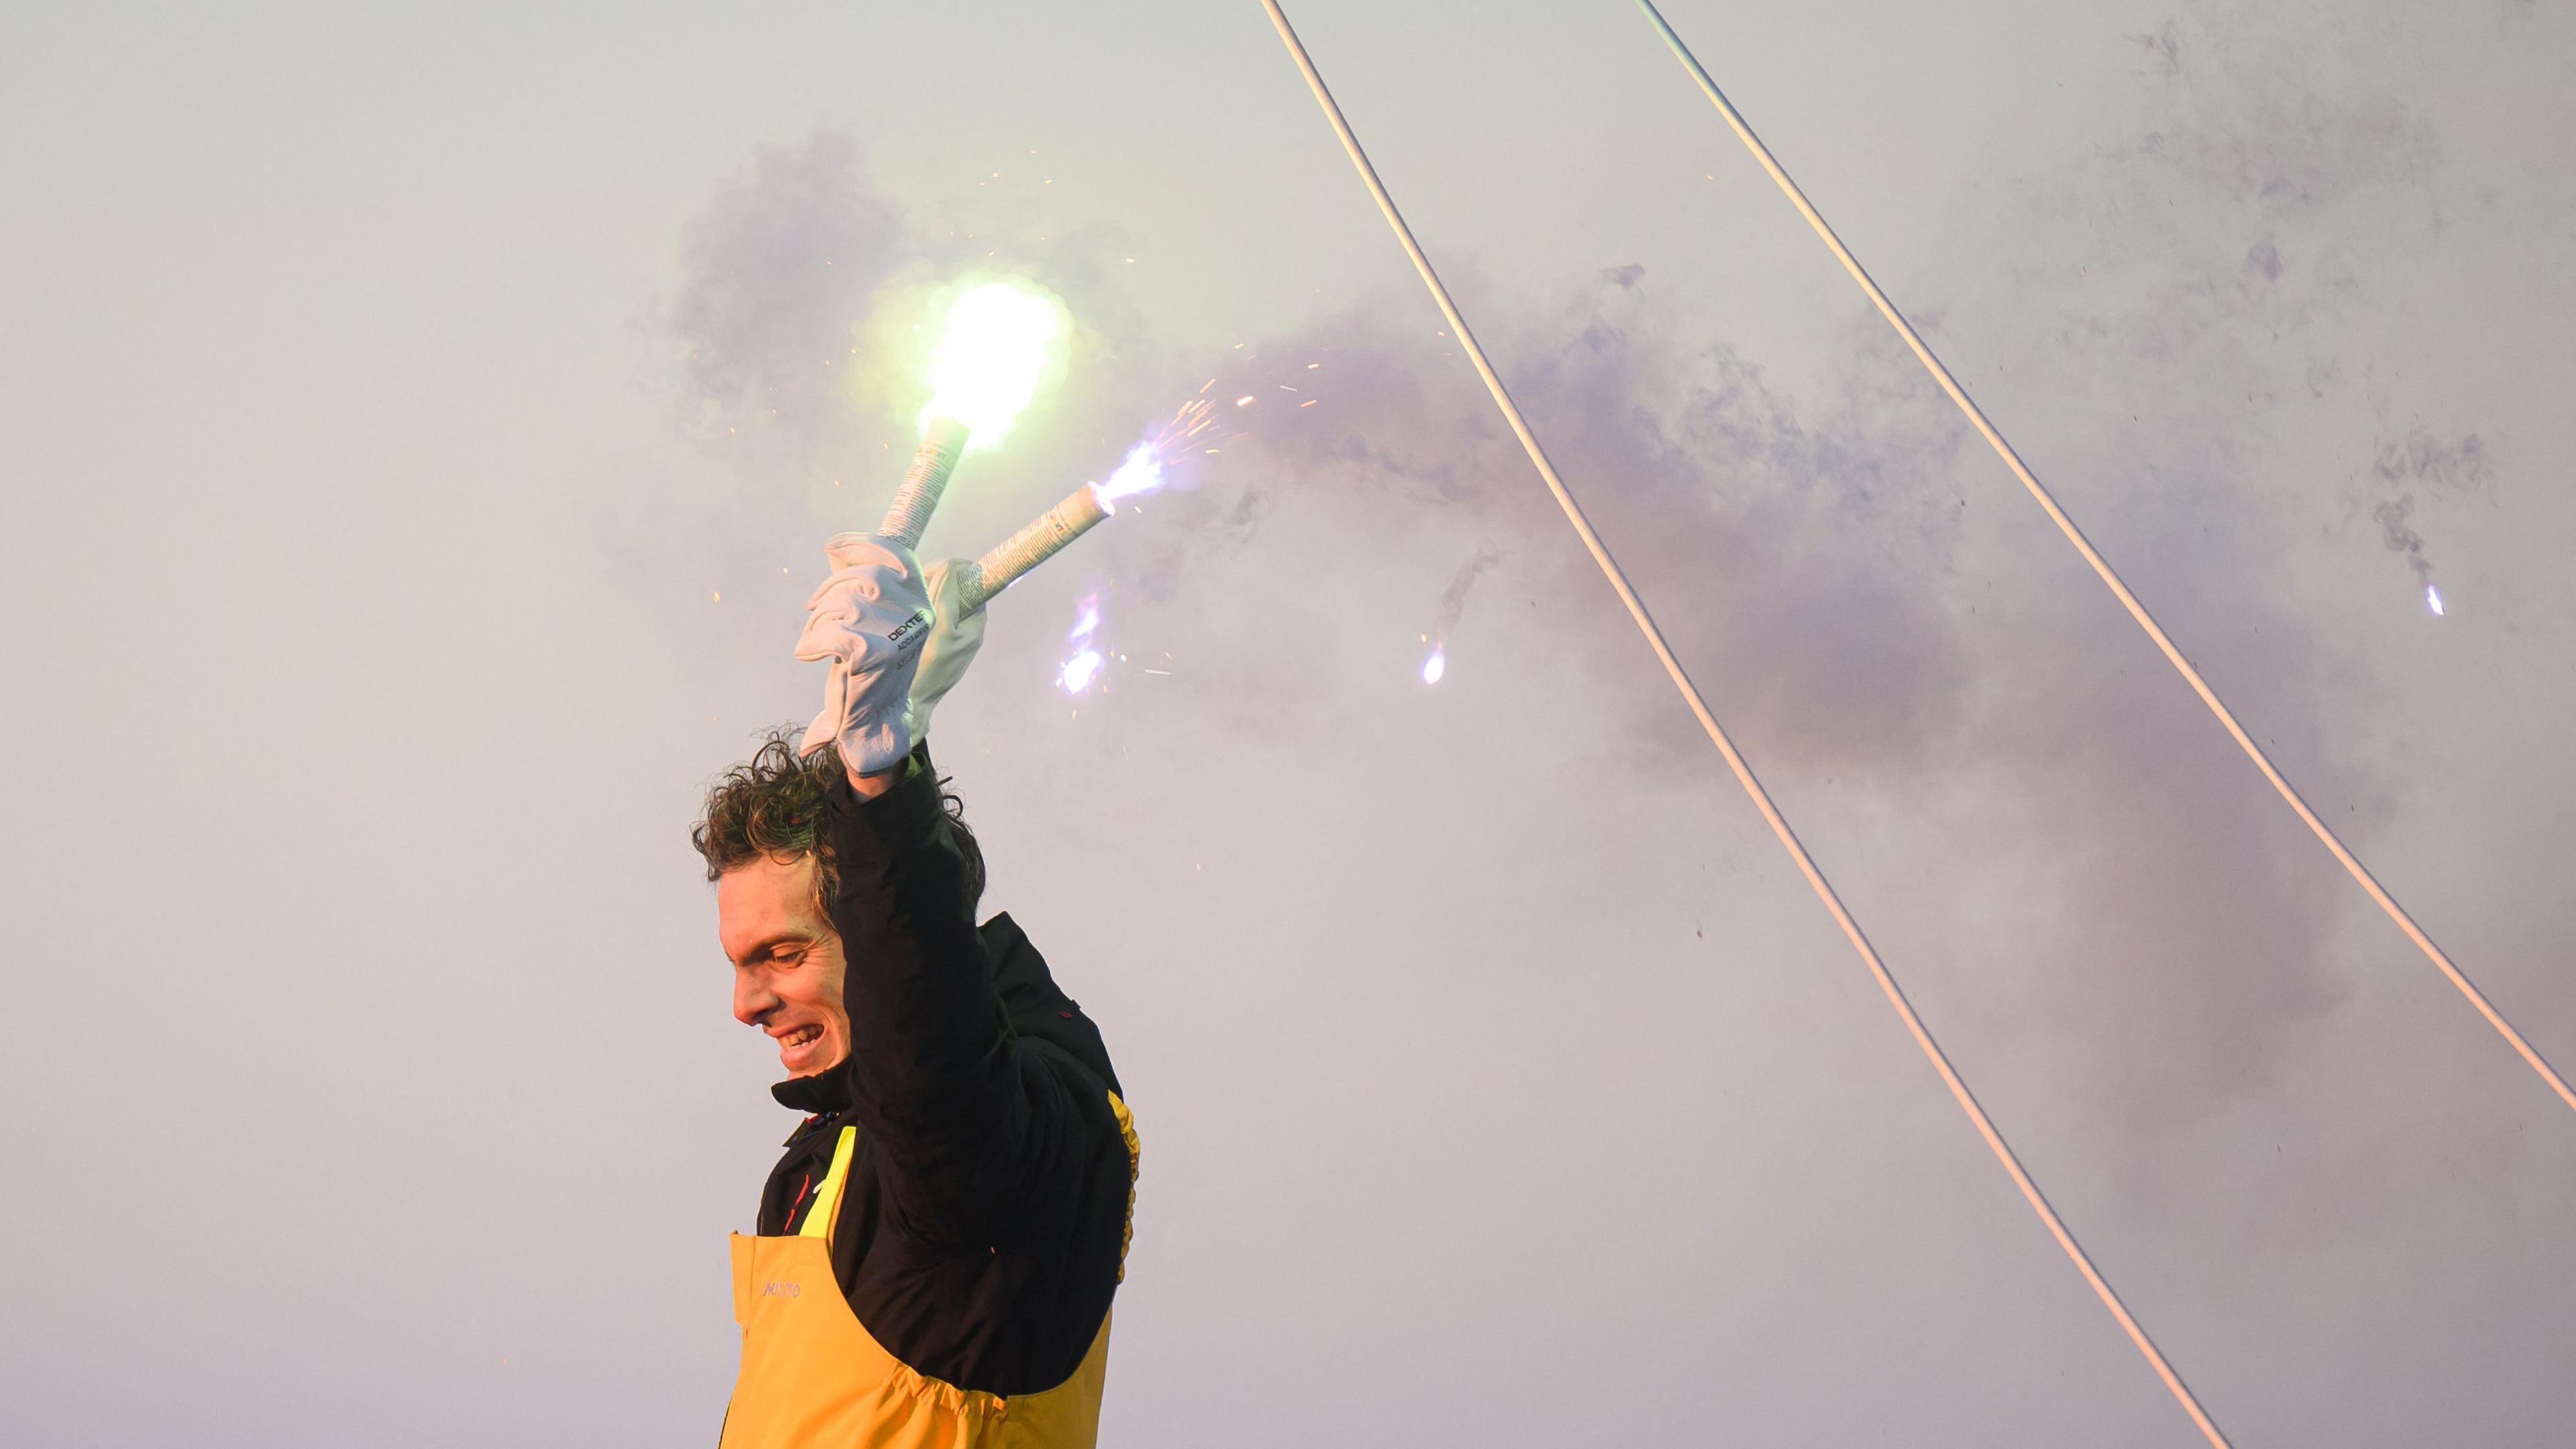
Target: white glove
(955,635)
(870,619)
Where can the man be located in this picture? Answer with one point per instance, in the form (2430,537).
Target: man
(938,1248)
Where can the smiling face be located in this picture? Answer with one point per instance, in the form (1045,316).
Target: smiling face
(786,961)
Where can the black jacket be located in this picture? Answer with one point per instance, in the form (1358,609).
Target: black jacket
(983,1225)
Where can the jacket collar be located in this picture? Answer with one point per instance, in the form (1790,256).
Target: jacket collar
(823,1094)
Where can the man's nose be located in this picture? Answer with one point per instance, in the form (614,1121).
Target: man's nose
(752,998)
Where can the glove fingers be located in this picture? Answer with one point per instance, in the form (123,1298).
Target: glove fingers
(869,550)
(866,566)
(841,633)
(825,638)
(853,588)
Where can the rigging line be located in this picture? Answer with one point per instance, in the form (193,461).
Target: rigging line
(1734,761)
(2102,568)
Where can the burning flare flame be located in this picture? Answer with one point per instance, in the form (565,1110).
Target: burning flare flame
(1142,472)
(2433,600)
(1074,676)
(1000,343)
(1436,665)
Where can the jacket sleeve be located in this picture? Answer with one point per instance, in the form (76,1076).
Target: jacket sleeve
(968,1123)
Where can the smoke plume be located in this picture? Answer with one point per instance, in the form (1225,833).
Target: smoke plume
(1871,607)
(1453,599)
(2433,464)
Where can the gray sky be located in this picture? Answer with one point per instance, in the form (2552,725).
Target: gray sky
(388,399)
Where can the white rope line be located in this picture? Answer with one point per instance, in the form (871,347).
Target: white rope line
(1734,761)
(2102,568)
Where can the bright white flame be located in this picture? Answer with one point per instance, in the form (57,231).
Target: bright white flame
(1077,673)
(1435,666)
(1000,343)
(2433,598)
(1074,676)
(1141,473)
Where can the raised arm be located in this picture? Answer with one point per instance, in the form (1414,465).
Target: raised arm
(964,1120)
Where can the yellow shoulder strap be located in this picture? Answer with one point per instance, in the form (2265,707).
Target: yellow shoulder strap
(1135,1159)
(827,1198)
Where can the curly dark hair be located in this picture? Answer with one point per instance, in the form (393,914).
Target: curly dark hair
(777,804)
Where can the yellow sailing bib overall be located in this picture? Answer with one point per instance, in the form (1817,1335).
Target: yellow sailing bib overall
(814,1378)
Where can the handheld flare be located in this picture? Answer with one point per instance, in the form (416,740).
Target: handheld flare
(941,441)
(1078,514)
(1000,344)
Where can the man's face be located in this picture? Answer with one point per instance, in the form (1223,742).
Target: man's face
(786,962)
